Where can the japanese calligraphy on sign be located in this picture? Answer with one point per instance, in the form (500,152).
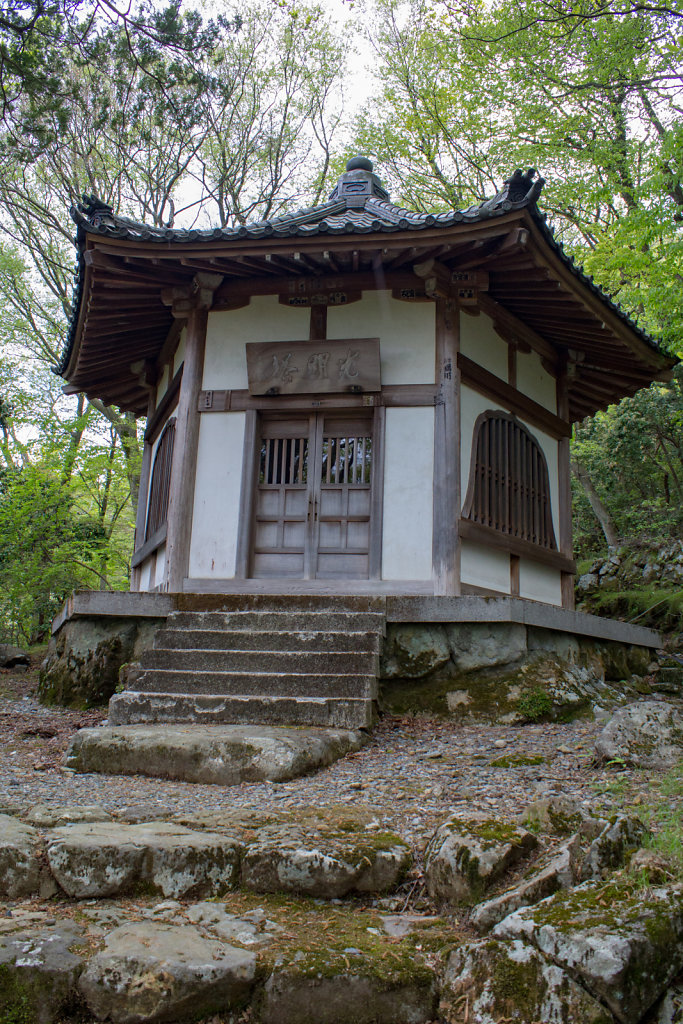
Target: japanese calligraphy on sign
(310,367)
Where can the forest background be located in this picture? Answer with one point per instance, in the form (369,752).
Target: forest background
(175,117)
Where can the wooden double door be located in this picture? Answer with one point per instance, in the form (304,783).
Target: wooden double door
(313,506)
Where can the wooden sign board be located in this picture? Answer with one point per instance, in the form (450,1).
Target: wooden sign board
(313,367)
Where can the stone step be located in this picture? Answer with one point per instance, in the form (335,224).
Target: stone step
(292,603)
(279,621)
(268,684)
(134,707)
(313,662)
(268,640)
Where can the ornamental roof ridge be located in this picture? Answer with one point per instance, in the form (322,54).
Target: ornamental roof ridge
(358,203)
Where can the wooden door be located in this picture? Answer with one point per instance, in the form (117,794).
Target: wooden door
(313,503)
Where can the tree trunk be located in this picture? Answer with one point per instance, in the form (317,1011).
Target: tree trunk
(601,513)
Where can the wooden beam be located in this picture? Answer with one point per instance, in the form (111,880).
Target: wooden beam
(508,325)
(446,509)
(160,414)
(488,537)
(490,386)
(565,494)
(143,496)
(184,466)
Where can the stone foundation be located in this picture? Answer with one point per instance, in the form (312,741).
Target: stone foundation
(473,657)
(505,671)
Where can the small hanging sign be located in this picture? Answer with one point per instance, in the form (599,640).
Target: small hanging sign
(313,367)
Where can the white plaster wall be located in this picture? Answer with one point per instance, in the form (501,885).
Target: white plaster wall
(484,567)
(535,382)
(160,566)
(179,354)
(215,520)
(408,491)
(162,385)
(264,319)
(147,573)
(405,331)
(479,341)
(539,582)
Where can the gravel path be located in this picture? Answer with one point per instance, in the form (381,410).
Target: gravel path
(414,772)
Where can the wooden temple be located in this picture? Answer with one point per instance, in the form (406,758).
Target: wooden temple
(354,398)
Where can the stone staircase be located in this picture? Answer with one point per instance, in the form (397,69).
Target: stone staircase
(261,660)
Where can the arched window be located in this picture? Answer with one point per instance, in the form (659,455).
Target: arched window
(160,488)
(508,488)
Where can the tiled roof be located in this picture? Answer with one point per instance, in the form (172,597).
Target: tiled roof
(358,205)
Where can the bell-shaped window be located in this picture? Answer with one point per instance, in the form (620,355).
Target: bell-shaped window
(508,489)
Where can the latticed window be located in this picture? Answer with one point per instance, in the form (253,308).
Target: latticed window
(160,488)
(509,490)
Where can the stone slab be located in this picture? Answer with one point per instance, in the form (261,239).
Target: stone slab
(324,713)
(107,859)
(20,848)
(149,971)
(38,973)
(469,608)
(224,755)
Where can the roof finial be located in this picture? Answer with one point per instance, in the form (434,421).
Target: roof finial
(358,184)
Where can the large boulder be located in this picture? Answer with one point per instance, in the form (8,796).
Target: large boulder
(107,859)
(149,972)
(38,973)
(20,848)
(647,734)
(414,651)
(623,944)
(512,982)
(11,657)
(464,858)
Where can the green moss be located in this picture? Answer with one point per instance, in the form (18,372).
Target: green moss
(15,1005)
(536,705)
(518,986)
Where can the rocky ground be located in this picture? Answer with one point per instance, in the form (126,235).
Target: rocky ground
(303,949)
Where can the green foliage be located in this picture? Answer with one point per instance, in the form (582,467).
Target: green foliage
(536,705)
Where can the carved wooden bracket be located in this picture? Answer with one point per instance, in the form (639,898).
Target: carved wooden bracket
(197,295)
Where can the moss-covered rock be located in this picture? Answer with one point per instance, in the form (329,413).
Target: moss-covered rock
(38,974)
(84,660)
(464,858)
(648,734)
(511,981)
(622,943)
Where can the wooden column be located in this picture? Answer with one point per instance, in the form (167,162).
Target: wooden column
(512,381)
(565,491)
(143,494)
(195,306)
(445,545)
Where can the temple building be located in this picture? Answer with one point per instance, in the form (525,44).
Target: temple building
(353,399)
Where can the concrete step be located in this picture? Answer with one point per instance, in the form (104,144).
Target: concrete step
(280,602)
(313,662)
(267,640)
(279,621)
(266,684)
(132,707)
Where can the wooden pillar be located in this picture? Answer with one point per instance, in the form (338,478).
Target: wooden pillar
(195,306)
(445,545)
(143,494)
(565,491)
